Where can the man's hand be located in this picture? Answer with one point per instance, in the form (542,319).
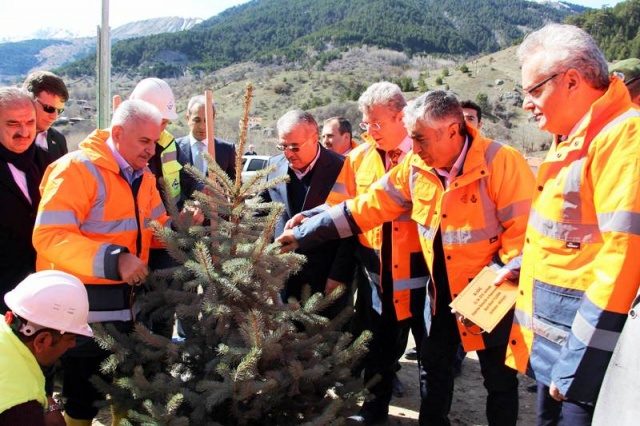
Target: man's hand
(554,392)
(331,285)
(295,221)
(464,321)
(504,275)
(131,269)
(197,217)
(287,241)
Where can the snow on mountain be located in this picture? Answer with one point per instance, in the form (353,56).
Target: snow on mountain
(48,48)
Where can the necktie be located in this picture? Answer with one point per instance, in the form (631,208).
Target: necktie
(199,160)
(394,157)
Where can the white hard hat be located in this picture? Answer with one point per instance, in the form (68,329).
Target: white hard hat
(158,93)
(51,299)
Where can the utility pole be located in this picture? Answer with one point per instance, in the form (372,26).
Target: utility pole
(103,65)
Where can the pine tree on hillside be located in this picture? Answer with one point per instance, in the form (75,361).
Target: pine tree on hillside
(247,358)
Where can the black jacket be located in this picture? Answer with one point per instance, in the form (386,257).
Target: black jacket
(333,259)
(56,144)
(225,155)
(17,218)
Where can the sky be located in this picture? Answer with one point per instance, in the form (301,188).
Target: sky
(19,18)
(83,16)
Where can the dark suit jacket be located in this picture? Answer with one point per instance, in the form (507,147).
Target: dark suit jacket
(225,155)
(56,144)
(17,218)
(333,259)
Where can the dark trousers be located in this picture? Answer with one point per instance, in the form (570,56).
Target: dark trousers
(388,334)
(437,358)
(159,259)
(81,396)
(388,343)
(361,306)
(80,363)
(565,413)
(501,383)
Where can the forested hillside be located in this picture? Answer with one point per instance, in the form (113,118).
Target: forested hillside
(617,29)
(20,56)
(271,31)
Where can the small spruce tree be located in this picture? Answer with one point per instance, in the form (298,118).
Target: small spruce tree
(246,358)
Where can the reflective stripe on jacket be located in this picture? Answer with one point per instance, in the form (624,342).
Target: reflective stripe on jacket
(362,167)
(580,269)
(88,212)
(482,214)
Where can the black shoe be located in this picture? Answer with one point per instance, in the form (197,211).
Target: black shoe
(367,418)
(397,388)
(411,354)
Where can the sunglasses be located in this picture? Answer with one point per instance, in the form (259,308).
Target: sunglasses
(292,148)
(49,109)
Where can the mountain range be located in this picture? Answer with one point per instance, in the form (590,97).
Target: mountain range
(299,31)
(311,34)
(50,48)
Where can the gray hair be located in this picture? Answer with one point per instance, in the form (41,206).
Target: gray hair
(13,97)
(133,110)
(567,47)
(382,93)
(200,100)
(294,118)
(433,106)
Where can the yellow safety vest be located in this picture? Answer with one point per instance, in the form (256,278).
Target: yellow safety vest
(170,165)
(21,378)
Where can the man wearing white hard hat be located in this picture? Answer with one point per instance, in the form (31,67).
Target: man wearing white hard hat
(173,183)
(164,164)
(48,309)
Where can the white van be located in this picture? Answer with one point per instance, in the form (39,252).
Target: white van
(252,163)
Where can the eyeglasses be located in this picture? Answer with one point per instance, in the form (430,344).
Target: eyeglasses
(49,109)
(529,91)
(370,126)
(292,148)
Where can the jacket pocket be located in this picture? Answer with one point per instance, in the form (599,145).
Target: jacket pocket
(364,179)
(424,203)
(554,309)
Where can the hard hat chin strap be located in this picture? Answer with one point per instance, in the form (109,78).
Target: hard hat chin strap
(20,326)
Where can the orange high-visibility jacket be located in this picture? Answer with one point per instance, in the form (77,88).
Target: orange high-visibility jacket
(362,167)
(580,268)
(88,212)
(482,215)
